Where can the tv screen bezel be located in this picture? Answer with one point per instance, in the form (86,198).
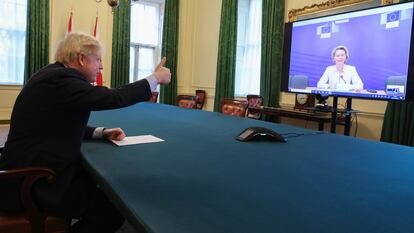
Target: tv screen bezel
(409,91)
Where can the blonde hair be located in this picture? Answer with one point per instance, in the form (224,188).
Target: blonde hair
(75,43)
(340,47)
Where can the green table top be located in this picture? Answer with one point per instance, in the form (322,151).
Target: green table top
(202,180)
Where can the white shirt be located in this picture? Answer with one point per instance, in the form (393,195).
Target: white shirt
(347,80)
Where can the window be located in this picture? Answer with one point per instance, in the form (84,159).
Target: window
(12,41)
(249,33)
(146,31)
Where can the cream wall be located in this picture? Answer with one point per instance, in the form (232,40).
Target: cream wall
(8,95)
(198,42)
(198,47)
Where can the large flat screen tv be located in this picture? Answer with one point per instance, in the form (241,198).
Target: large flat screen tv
(364,54)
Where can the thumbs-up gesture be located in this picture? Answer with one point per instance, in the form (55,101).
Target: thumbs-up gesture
(161,73)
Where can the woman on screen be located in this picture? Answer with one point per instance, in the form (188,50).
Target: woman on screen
(340,76)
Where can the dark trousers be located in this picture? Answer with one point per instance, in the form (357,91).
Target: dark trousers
(86,202)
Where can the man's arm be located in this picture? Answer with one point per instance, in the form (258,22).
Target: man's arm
(72,92)
(89,132)
(104,133)
(116,134)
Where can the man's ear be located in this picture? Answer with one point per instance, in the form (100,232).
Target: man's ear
(81,58)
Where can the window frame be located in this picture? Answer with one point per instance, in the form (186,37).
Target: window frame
(136,47)
(243,46)
(159,5)
(14,85)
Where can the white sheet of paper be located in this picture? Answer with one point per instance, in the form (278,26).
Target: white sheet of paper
(137,140)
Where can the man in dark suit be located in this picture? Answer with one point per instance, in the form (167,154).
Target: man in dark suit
(49,122)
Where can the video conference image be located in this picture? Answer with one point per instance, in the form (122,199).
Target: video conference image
(362,54)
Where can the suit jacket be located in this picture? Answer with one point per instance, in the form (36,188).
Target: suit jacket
(49,122)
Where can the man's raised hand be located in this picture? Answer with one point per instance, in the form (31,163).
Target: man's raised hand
(161,73)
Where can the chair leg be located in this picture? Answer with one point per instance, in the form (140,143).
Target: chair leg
(68,224)
(38,224)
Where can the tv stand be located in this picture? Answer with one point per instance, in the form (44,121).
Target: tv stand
(348,112)
(324,108)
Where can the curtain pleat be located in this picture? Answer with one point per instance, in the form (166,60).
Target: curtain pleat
(121,44)
(226,61)
(398,124)
(272,48)
(37,37)
(168,93)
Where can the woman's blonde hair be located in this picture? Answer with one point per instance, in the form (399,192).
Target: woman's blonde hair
(76,43)
(340,47)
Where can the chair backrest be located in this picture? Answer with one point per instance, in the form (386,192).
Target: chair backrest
(202,95)
(33,220)
(233,107)
(298,81)
(187,101)
(254,101)
(154,97)
(201,98)
(19,223)
(396,80)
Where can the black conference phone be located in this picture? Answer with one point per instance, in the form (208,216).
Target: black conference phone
(252,133)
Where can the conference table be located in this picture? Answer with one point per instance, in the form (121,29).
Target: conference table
(202,180)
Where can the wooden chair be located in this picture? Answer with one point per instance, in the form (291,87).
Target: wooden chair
(154,97)
(201,98)
(233,107)
(254,101)
(187,101)
(33,220)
